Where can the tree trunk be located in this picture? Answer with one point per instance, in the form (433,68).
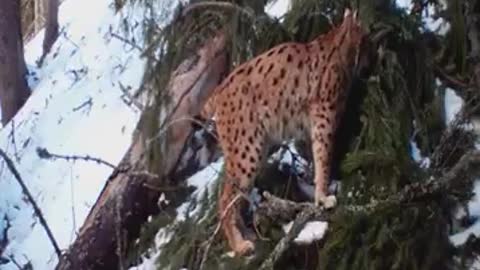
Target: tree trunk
(126,201)
(51,27)
(13,85)
(39,15)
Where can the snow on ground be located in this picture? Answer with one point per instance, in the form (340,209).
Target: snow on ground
(76,108)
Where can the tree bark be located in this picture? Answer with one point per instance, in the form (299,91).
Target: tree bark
(14,90)
(39,15)
(51,27)
(127,201)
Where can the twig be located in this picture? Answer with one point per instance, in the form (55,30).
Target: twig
(225,5)
(45,154)
(217,229)
(164,189)
(72,196)
(129,98)
(129,42)
(69,40)
(17,158)
(88,102)
(76,74)
(4,237)
(448,79)
(257,231)
(36,209)
(12,259)
(298,224)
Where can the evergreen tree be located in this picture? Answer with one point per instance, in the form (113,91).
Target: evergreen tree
(393,213)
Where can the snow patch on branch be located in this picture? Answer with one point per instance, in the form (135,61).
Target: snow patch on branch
(453,105)
(202,181)
(313,231)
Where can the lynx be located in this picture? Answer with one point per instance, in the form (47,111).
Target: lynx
(292,90)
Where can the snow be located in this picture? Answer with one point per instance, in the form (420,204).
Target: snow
(76,108)
(404,3)
(278,8)
(474,209)
(453,105)
(202,181)
(461,237)
(162,237)
(437,25)
(424,162)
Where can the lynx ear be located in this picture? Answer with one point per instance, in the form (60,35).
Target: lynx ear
(355,14)
(347,12)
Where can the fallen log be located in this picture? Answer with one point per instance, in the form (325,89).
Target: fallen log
(127,201)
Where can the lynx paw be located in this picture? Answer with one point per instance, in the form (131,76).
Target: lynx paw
(327,201)
(246,247)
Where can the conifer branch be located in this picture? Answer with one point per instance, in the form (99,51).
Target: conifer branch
(298,224)
(224,5)
(276,208)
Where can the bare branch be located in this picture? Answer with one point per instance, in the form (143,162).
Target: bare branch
(29,196)
(126,41)
(45,154)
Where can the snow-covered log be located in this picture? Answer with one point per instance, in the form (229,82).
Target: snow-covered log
(127,198)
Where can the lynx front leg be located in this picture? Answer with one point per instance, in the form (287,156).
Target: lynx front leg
(322,144)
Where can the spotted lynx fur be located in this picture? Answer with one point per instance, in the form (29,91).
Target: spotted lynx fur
(290,91)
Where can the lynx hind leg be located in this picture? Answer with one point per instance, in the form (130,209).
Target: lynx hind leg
(231,221)
(242,159)
(322,141)
(233,198)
